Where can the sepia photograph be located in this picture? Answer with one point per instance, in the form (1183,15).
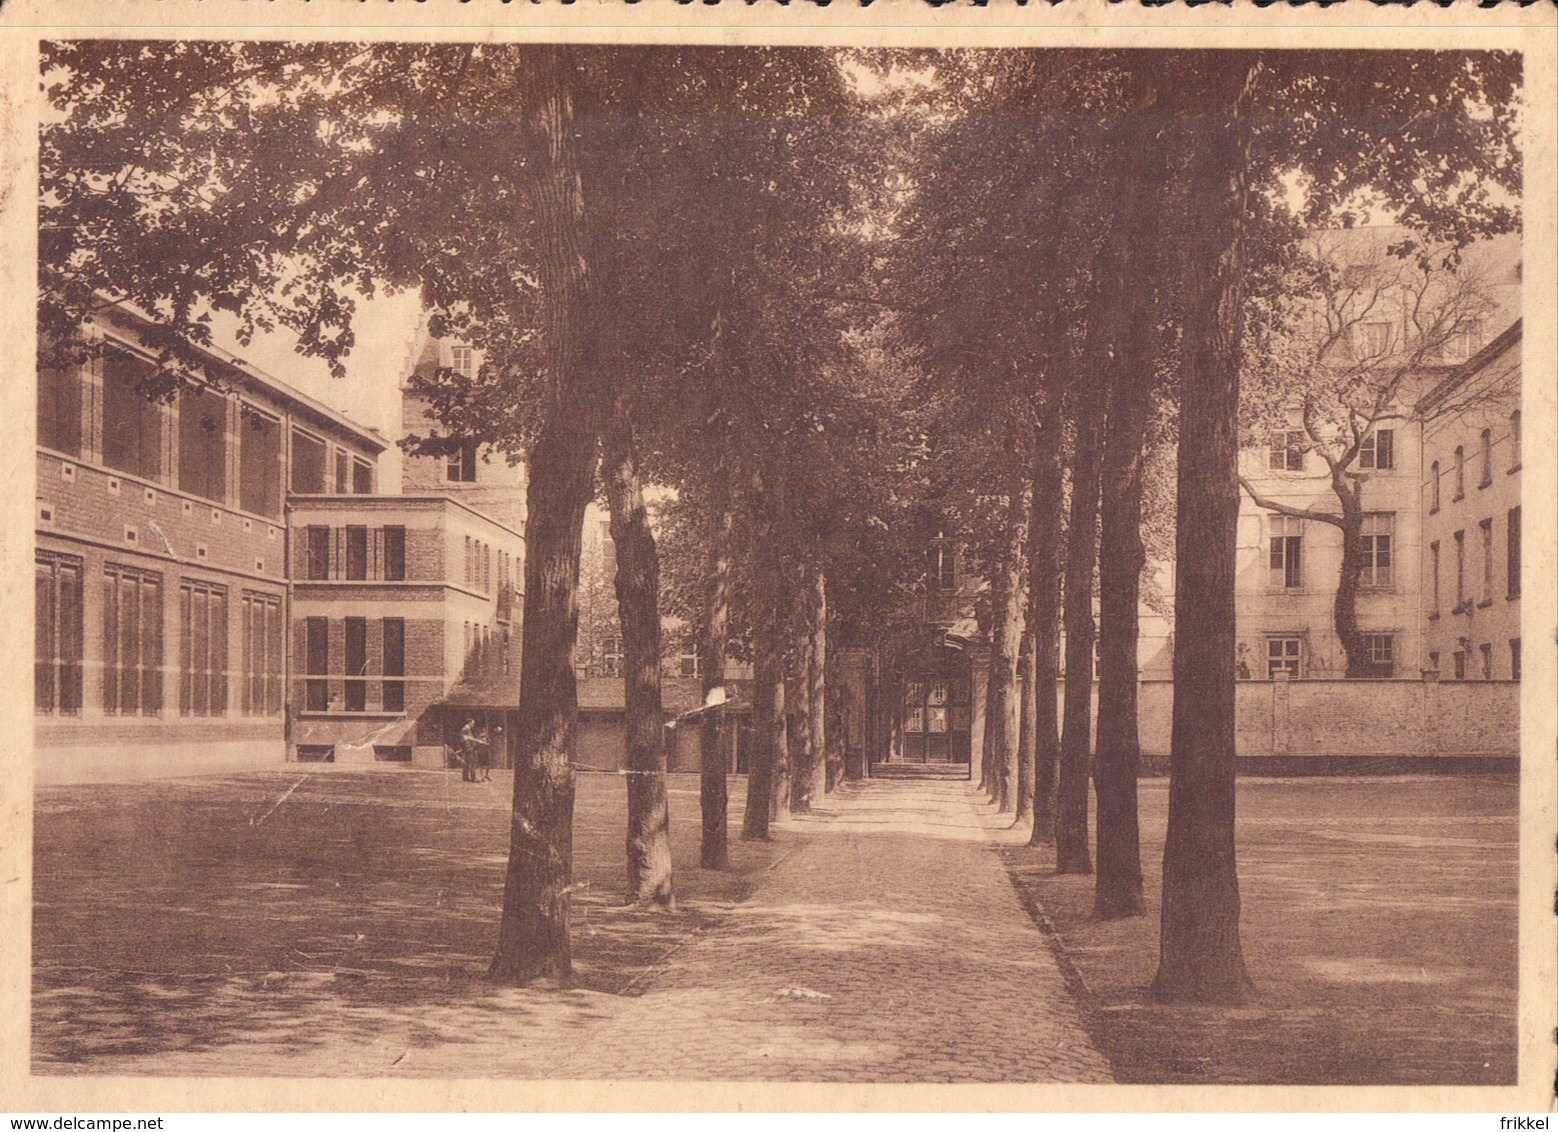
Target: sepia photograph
(836,564)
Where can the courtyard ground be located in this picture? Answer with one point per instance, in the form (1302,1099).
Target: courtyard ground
(1379,927)
(337,922)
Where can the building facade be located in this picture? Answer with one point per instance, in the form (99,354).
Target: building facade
(1470,494)
(162,563)
(231,575)
(407,607)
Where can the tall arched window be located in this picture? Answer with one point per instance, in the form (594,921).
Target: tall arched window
(1433,487)
(1460,471)
(1514,440)
(1487,458)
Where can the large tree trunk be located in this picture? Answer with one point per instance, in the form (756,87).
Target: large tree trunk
(638,608)
(533,939)
(1345,611)
(768,729)
(1071,849)
(811,775)
(1044,554)
(769,757)
(713,788)
(792,650)
(533,934)
(1121,558)
(1026,727)
(1008,595)
(1200,958)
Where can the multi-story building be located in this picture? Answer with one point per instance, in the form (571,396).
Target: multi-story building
(407,606)
(179,537)
(1471,517)
(162,573)
(1289,565)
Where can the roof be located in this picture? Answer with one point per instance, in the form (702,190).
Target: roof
(296,397)
(1468,369)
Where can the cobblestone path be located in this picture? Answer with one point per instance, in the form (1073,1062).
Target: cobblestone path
(887,946)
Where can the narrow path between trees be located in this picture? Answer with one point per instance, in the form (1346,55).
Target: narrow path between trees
(888,945)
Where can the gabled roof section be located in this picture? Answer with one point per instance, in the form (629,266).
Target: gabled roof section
(1463,373)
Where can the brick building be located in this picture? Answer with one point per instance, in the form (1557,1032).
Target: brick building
(236,574)
(161,556)
(407,606)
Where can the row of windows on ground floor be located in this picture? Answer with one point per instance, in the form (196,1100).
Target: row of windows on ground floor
(1287,655)
(129,665)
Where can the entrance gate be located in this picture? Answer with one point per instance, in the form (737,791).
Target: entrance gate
(935,719)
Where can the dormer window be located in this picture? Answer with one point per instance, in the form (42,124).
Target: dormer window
(462,359)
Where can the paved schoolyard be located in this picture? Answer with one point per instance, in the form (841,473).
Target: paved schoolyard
(337,923)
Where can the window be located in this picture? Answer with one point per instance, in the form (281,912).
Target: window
(470,565)
(690,660)
(1286,553)
(132,420)
(259,464)
(468,654)
(308,464)
(57,635)
(1433,662)
(486,568)
(1378,450)
(1487,661)
(203,641)
(362,477)
(506,650)
(1284,654)
(1485,530)
(1373,339)
(914,706)
(1460,472)
(611,656)
(1287,451)
(262,660)
(395,554)
(1378,545)
(461,467)
(462,359)
(356,663)
(59,409)
(132,641)
(941,558)
(394,664)
(1514,441)
(316,663)
(203,443)
(356,553)
(1514,659)
(1433,487)
(1433,579)
(1487,458)
(1379,650)
(1512,554)
(1460,665)
(316,550)
(343,465)
(1460,570)
(1464,342)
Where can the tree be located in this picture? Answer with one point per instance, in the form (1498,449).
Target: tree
(638,590)
(1362,317)
(1045,550)
(1375,130)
